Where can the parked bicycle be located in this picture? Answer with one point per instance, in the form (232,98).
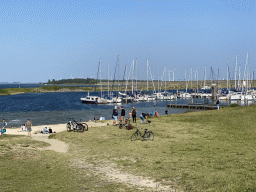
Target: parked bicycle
(73,125)
(126,124)
(148,135)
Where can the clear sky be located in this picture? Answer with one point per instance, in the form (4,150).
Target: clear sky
(59,39)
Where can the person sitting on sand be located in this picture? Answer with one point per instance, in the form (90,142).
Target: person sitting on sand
(45,131)
(23,128)
(50,130)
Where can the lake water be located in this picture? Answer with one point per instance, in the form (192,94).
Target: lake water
(55,108)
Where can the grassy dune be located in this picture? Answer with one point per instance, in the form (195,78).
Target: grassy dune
(43,89)
(195,151)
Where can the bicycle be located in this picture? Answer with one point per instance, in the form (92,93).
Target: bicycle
(126,124)
(148,135)
(73,125)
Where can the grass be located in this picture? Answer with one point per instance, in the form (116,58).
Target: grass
(195,151)
(54,88)
(142,85)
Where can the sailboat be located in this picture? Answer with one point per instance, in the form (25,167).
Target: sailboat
(95,99)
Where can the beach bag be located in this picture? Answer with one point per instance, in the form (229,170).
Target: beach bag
(3,130)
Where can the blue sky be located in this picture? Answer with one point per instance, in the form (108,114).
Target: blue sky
(57,39)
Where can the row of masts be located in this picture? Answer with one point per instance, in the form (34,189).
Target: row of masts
(245,85)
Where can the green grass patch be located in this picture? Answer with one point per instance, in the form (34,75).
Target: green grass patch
(209,150)
(196,151)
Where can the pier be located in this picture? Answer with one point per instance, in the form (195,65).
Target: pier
(193,106)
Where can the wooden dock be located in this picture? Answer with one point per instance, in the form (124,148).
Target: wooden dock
(193,106)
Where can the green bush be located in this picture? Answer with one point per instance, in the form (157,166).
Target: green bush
(4,92)
(50,88)
(234,105)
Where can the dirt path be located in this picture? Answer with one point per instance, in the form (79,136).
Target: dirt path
(56,145)
(112,174)
(110,171)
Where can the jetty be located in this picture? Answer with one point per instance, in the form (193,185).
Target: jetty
(193,106)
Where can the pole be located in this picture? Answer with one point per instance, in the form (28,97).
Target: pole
(108,79)
(158,78)
(132,73)
(118,73)
(235,72)
(147,75)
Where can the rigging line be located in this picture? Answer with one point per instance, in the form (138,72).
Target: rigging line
(152,79)
(97,76)
(124,75)
(114,75)
(128,78)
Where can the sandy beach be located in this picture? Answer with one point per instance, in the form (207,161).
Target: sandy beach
(55,144)
(55,128)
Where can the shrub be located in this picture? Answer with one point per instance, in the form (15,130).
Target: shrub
(234,105)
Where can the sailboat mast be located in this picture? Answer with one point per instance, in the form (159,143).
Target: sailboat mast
(218,79)
(108,79)
(132,74)
(239,78)
(185,79)
(158,78)
(227,75)
(235,72)
(247,73)
(147,75)
(136,74)
(204,75)
(100,82)
(118,73)
(165,77)
(191,76)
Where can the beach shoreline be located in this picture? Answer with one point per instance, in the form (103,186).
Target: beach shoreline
(55,128)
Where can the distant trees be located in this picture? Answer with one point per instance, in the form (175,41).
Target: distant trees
(72,81)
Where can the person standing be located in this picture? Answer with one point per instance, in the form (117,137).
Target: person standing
(143,116)
(3,130)
(166,112)
(134,115)
(122,114)
(218,104)
(29,127)
(115,114)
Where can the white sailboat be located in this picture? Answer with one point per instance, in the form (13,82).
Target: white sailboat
(95,99)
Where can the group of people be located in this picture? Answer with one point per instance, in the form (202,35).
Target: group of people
(24,127)
(122,118)
(133,114)
(47,131)
(27,127)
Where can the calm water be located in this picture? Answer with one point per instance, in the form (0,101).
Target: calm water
(54,108)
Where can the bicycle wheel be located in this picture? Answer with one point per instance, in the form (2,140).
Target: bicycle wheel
(149,136)
(68,127)
(134,137)
(80,128)
(85,126)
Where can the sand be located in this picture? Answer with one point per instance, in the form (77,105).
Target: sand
(55,128)
(55,144)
